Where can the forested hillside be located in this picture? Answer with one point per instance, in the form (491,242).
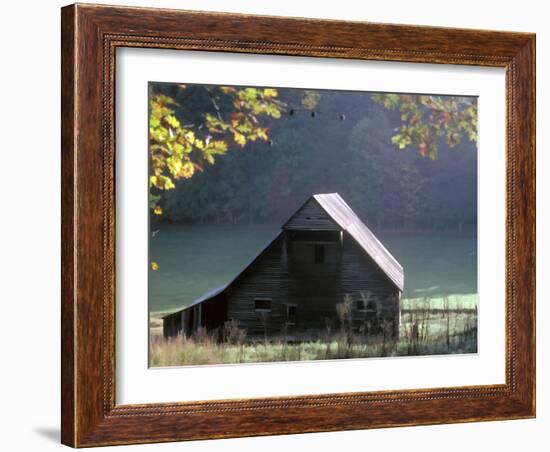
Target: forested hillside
(305,142)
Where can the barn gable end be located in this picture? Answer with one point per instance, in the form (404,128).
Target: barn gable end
(311,217)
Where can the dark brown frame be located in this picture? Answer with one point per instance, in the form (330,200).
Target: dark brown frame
(90,35)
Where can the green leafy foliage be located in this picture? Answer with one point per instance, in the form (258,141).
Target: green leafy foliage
(425,120)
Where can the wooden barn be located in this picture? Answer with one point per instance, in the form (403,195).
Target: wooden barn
(322,255)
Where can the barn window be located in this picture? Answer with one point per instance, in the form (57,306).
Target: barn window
(291,314)
(372,309)
(319,254)
(262,304)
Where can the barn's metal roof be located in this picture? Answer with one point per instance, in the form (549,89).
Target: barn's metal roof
(346,218)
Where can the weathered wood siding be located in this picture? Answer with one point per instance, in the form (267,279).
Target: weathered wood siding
(266,277)
(361,275)
(286,273)
(311,217)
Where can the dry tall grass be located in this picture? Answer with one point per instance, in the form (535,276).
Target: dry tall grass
(424,331)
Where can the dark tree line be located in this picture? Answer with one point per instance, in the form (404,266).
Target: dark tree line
(335,142)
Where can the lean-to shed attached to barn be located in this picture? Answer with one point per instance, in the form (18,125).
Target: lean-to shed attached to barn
(324,254)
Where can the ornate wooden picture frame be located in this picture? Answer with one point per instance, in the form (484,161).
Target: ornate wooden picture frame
(90,37)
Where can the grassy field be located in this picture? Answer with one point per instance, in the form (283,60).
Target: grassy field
(428,327)
(452,302)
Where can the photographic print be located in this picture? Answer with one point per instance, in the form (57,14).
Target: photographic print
(292,224)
